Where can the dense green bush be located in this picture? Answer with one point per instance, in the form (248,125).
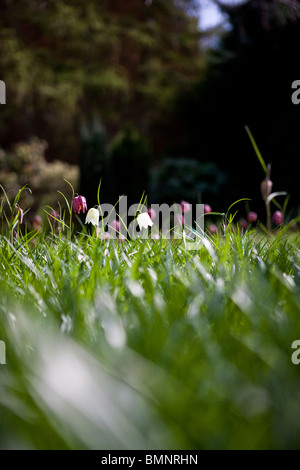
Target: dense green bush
(93,161)
(129,165)
(25,164)
(183,178)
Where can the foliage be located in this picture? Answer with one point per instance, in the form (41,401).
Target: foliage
(25,164)
(65,61)
(185,178)
(93,160)
(142,344)
(129,165)
(247,82)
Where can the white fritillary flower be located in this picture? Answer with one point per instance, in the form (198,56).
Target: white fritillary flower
(92,216)
(144,220)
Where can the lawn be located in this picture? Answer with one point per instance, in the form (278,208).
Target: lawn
(142,344)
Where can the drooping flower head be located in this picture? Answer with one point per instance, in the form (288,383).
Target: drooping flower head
(185,207)
(213,229)
(56,220)
(277,218)
(252,216)
(151,213)
(114,226)
(54,217)
(144,220)
(104,236)
(37,221)
(79,204)
(92,217)
(207,209)
(243,223)
(19,212)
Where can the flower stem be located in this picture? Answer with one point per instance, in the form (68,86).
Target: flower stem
(268,209)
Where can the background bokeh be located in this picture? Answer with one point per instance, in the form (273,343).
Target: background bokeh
(143,96)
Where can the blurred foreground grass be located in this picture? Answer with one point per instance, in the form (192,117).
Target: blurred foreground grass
(143,345)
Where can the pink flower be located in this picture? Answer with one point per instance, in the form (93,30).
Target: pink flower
(277,218)
(104,236)
(207,209)
(55,215)
(243,223)
(213,229)
(151,213)
(79,204)
(37,221)
(252,216)
(19,212)
(155,236)
(185,206)
(114,226)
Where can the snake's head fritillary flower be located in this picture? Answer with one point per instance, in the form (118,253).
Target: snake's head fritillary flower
(19,212)
(252,216)
(37,221)
(277,218)
(56,220)
(185,207)
(55,217)
(243,223)
(104,236)
(213,229)
(79,204)
(144,220)
(114,226)
(92,217)
(207,209)
(151,213)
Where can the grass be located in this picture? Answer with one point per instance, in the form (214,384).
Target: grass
(144,345)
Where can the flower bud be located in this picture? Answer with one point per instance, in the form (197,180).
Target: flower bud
(243,223)
(185,207)
(277,218)
(19,212)
(207,209)
(213,229)
(114,226)
(151,213)
(252,216)
(266,185)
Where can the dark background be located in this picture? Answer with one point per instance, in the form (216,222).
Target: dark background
(131,93)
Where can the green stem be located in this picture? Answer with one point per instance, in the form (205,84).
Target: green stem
(71,209)
(268,209)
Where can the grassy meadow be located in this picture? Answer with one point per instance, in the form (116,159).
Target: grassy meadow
(142,344)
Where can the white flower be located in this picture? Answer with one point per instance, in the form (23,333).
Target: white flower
(92,216)
(144,220)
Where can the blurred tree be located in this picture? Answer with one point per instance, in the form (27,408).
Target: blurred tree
(248,82)
(63,61)
(93,161)
(130,159)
